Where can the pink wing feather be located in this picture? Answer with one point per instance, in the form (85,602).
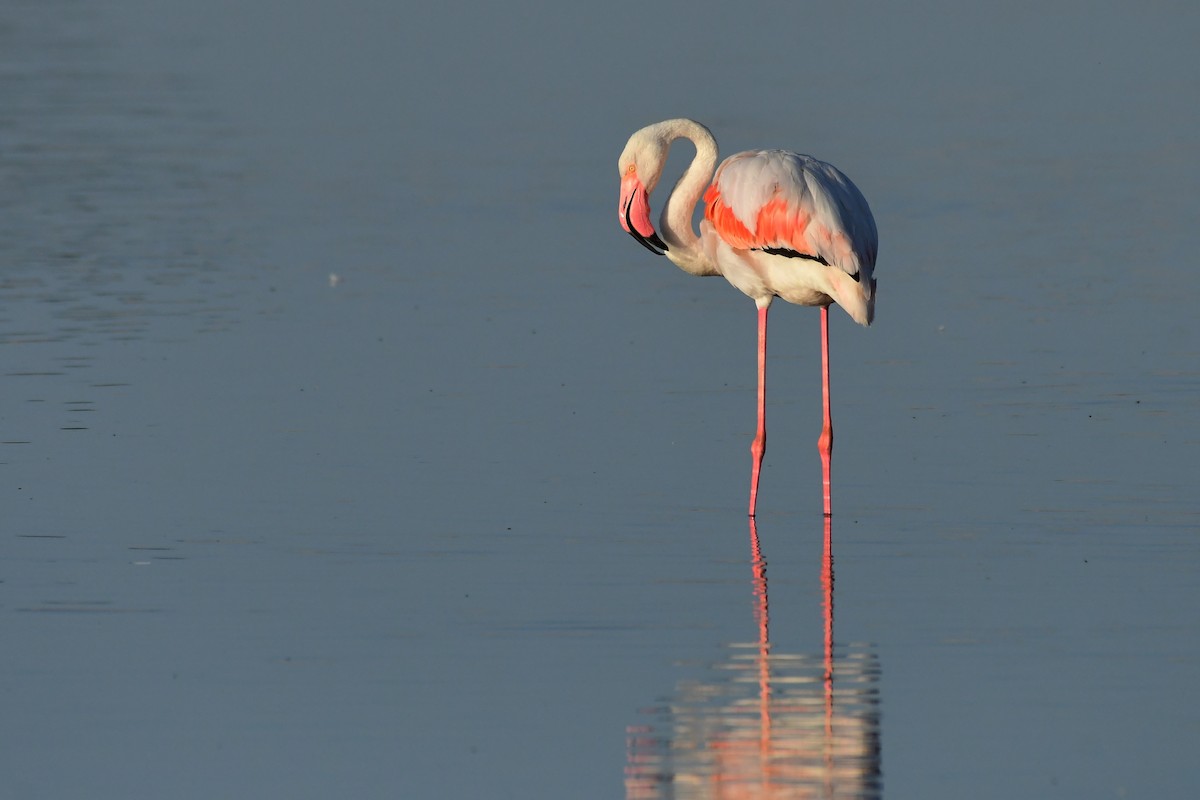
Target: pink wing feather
(778,200)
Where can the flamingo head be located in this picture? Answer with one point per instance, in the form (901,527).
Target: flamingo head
(640,166)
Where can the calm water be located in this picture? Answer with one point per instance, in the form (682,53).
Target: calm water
(349,448)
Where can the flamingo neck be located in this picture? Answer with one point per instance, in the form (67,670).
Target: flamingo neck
(684,246)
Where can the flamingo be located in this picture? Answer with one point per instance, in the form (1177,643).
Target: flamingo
(776,224)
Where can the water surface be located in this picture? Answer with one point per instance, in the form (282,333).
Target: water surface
(468,520)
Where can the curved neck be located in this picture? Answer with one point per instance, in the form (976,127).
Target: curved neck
(676,221)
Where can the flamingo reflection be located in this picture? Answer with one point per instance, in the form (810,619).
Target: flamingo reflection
(768,724)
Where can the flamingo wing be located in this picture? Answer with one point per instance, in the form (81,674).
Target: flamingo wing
(793,205)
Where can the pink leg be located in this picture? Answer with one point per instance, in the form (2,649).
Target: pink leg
(825,443)
(759,445)
(827,608)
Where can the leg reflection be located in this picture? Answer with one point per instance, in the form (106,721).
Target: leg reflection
(761,723)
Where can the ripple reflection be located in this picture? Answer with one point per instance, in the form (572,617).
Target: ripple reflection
(120,187)
(765,724)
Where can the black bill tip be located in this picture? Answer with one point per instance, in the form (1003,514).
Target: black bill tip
(652,242)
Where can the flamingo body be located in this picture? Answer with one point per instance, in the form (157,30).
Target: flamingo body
(797,225)
(776,224)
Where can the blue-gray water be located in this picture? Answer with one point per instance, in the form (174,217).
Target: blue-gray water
(468,520)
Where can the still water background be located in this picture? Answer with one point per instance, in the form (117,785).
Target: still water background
(349,448)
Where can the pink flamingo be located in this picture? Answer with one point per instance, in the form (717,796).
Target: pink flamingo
(776,224)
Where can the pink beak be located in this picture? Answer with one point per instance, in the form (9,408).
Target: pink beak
(634,215)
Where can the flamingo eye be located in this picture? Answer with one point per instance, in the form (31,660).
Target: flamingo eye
(630,169)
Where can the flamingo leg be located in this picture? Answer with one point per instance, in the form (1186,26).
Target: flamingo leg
(825,443)
(759,445)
